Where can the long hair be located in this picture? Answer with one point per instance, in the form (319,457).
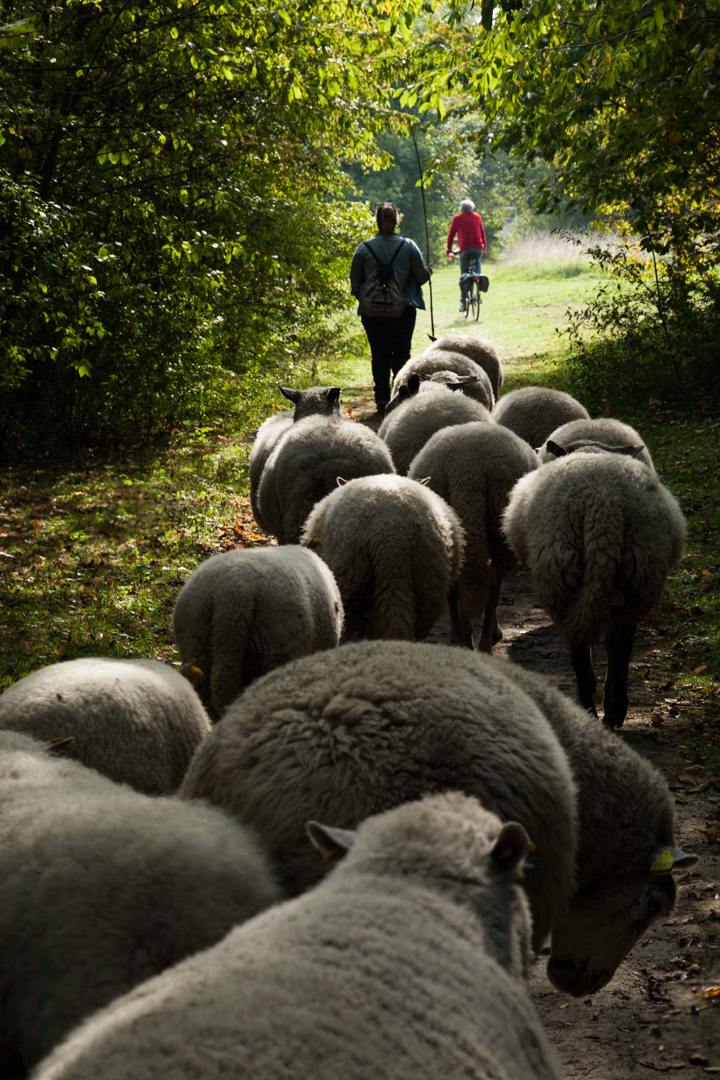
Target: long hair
(386,217)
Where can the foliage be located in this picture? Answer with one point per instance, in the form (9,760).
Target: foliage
(620,100)
(161,166)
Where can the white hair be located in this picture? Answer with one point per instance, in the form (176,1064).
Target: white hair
(467,206)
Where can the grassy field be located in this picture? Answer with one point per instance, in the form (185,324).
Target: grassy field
(522,313)
(92,555)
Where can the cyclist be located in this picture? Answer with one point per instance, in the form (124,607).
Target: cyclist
(471,241)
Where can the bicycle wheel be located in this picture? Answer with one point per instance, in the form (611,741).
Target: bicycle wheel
(475,300)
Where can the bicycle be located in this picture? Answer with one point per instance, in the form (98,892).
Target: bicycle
(478,284)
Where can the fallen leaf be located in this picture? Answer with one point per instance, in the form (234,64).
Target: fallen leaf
(710,992)
(656,718)
(698,670)
(712,836)
(697,1058)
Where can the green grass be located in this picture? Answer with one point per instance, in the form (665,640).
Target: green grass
(92,554)
(521,313)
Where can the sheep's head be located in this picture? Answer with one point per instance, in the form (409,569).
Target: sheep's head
(606,918)
(591,446)
(317,401)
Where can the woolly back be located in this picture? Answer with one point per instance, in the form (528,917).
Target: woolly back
(409,427)
(478,349)
(534,412)
(136,721)
(345,734)
(604,430)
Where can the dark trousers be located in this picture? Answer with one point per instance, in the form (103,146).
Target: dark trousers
(390,343)
(467,258)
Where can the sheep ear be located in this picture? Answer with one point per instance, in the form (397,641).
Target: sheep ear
(460,383)
(425,481)
(62,747)
(333,843)
(333,393)
(312,543)
(413,383)
(630,451)
(555,448)
(291,395)
(341,482)
(667,859)
(511,846)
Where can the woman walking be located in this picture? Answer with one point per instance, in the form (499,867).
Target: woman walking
(389,327)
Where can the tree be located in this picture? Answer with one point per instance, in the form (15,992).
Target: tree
(159,164)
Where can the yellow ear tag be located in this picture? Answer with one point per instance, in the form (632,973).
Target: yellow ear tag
(663,864)
(334,855)
(531,846)
(314,543)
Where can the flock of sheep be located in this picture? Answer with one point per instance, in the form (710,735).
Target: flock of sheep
(349,873)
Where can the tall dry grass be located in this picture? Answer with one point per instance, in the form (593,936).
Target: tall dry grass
(540,253)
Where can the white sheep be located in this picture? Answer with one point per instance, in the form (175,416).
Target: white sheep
(304,467)
(349,733)
(395,549)
(408,428)
(605,431)
(478,349)
(535,412)
(101,888)
(245,612)
(406,962)
(474,467)
(137,721)
(598,534)
(318,400)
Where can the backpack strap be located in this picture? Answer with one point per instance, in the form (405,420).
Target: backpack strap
(398,249)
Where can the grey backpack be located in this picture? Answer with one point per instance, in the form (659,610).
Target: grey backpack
(383,294)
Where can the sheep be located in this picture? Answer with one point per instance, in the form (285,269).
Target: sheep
(304,467)
(318,400)
(605,431)
(245,612)
(408,428)
(474,467)
(344,734)
(476,387)
(478,349)
(349,733)
(625,844)
(101,888)
(394,547)
(535,412)
(136,721)
(427,364)
(406,962)
(598,533)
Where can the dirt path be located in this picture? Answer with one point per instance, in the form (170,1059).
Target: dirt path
(650,1018)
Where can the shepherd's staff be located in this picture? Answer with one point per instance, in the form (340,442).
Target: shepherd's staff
(427,235)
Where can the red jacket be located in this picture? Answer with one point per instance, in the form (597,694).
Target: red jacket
(469,228)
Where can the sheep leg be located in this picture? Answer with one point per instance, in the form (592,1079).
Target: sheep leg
(460,625)
(619,641)
(354,621)
(491,632)
(581,657)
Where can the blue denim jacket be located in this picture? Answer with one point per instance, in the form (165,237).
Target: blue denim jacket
(409,266)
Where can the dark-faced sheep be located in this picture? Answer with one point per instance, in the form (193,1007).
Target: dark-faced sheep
(349,733)
(317,401)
